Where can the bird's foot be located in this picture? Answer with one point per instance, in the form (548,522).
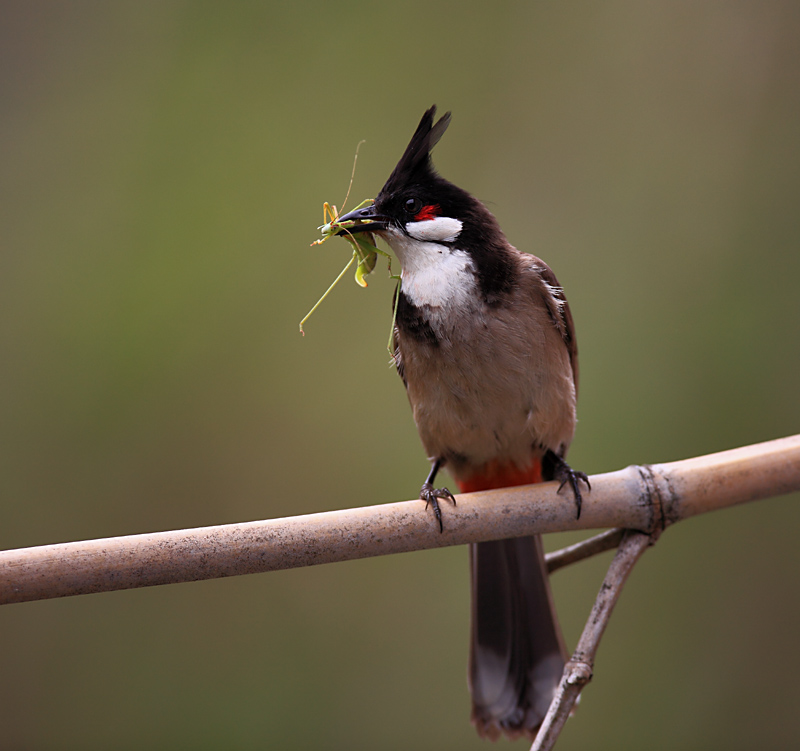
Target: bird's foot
(431,496)
(563,472)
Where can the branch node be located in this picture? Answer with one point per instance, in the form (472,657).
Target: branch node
(578,672)
(657,495)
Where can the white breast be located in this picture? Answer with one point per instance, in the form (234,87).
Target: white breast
(433,274)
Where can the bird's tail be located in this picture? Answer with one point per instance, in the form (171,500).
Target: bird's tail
(517,653)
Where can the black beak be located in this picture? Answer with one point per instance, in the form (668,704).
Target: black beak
(372,221)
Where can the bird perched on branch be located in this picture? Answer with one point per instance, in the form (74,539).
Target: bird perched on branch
(485,344)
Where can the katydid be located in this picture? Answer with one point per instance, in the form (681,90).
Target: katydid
(364,251)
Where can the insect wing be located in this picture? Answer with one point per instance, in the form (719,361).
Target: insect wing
(367,255)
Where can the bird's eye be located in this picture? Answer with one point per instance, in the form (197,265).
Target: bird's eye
(413,205)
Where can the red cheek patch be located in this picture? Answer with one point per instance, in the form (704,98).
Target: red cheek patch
(427,213)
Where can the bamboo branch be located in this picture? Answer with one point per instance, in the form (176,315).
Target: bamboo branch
(647,498)
(578,670)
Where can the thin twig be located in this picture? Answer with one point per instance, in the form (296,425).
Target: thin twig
(640,497)
(578,670)
(607,540)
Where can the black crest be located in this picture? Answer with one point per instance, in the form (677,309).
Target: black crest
(415,165)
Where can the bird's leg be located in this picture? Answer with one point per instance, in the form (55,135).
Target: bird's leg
(431,495)
(562,471)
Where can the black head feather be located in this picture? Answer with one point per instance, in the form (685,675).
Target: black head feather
(415,165)
(414,177)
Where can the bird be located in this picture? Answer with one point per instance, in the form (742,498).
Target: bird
(484,342)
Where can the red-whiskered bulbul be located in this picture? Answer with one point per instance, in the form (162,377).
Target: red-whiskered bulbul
(485,344)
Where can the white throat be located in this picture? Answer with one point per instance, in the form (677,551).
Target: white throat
(433,274)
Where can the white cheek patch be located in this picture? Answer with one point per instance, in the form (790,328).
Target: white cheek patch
(443,229)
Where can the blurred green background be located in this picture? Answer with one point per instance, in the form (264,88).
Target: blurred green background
(162,171)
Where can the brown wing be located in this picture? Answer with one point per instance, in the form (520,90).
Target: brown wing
(561,315)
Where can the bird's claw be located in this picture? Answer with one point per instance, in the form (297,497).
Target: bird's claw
(431,496)
(566,474)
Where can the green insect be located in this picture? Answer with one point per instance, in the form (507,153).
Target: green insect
(364,250)
(365,254)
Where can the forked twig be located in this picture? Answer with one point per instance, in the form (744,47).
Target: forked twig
(578,670)
(607,540)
